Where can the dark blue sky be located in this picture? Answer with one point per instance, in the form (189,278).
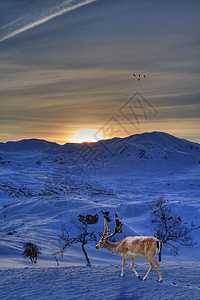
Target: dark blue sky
(68,66)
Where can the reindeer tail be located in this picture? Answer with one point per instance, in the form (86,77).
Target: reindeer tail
(159,246)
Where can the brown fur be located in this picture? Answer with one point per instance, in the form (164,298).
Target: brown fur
(134,247)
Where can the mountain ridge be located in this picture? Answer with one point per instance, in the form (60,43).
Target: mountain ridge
(149,146)
(136,137)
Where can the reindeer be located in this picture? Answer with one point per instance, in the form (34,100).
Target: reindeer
(132,247)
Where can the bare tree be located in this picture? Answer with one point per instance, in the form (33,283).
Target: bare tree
(83,236)
(32,251)
(169,227)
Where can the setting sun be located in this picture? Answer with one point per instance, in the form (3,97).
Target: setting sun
(86,136)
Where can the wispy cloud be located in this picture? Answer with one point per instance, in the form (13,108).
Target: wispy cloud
(39,16)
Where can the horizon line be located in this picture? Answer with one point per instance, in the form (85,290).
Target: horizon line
(69,142)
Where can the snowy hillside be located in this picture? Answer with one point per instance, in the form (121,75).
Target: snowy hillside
(44,185)
(181,281)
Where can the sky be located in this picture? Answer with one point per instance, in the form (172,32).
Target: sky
(67,68)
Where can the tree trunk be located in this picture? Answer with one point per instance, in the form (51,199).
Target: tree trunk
(85,253)
(56,259)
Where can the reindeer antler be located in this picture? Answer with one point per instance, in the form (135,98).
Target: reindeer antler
(106,228)
(118,228)
(107,233)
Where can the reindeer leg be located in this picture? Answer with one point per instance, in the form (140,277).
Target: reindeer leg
(132,267)
(150,268)
(156,264)
(123,264)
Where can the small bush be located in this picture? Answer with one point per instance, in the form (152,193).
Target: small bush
(32,251)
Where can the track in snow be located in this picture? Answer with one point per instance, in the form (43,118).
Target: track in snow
(181,281)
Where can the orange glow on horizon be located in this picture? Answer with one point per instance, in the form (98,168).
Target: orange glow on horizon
(86,136)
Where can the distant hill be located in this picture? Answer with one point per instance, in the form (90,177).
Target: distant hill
(147,141)
(29,145)
(151,152)
(154,145)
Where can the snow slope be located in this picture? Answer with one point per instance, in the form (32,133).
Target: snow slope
(43,185)
(181,281)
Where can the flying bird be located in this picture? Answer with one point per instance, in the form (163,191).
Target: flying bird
(139,76)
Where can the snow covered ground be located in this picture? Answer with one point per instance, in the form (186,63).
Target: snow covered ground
(44,185)
(181,281)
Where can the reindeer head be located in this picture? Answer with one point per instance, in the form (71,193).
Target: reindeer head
(107,233)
